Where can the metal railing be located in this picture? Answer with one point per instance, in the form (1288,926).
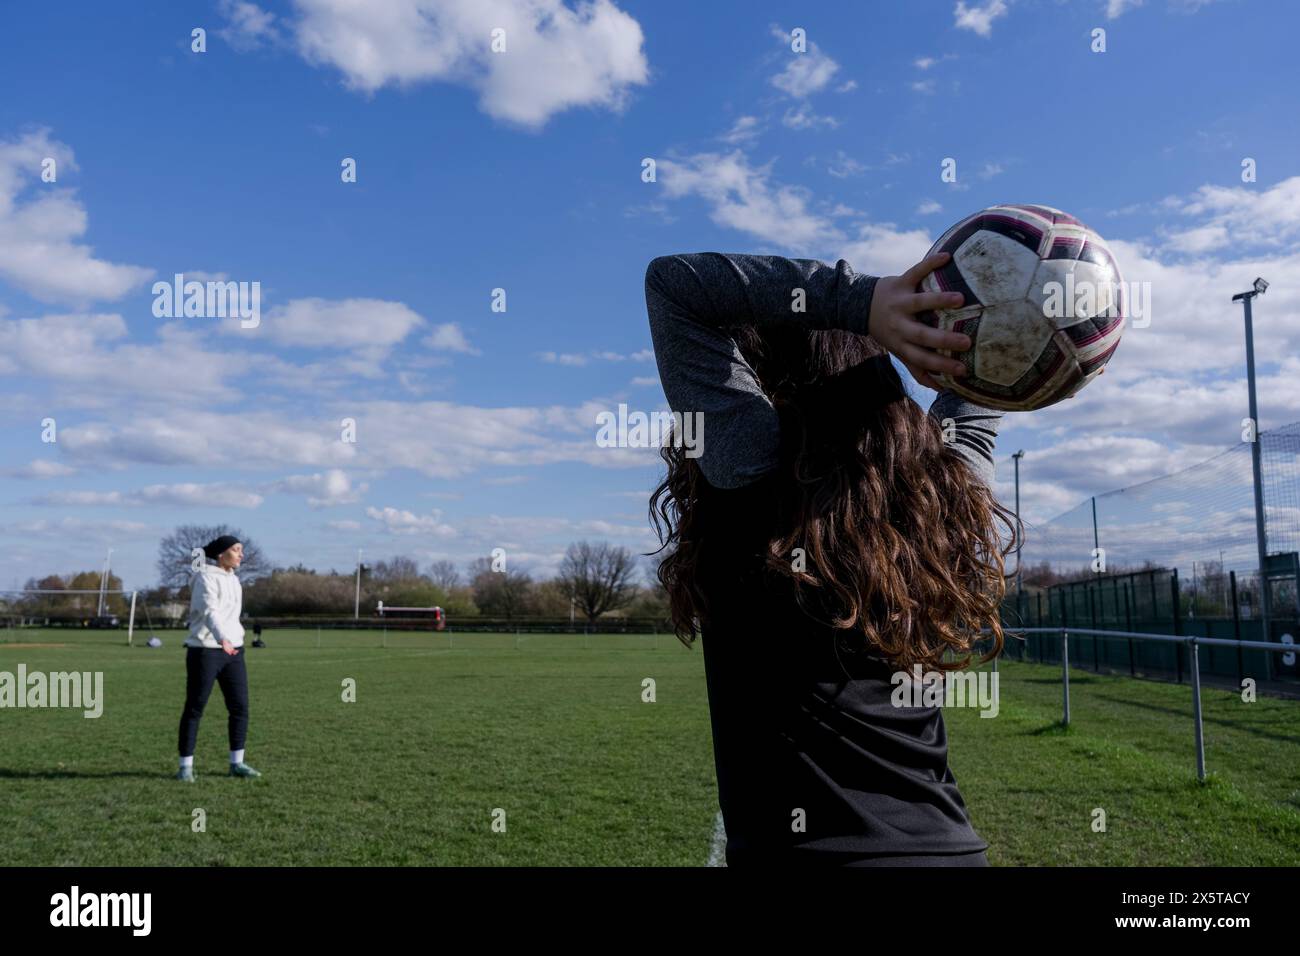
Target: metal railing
(1192,642)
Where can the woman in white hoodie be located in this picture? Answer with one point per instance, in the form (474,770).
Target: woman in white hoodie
(215,652)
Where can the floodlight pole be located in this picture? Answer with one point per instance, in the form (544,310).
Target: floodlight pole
(1261,541)
(103,582)
(356,607)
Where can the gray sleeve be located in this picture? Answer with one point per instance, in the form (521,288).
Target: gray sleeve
(690,298)
(974,429)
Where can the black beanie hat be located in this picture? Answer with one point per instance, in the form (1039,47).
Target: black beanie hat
(215,547)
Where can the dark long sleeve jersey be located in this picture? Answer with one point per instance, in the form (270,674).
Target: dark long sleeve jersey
(814,761)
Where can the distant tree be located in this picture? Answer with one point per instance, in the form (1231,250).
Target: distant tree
(460,602)
(37,604)
(174,553)
(649,603)
(505,594)
(551,599)
(400,568)
(444,574)
(291,592)
(599,576)
(88,604)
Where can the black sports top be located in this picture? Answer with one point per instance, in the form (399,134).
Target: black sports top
(814,762)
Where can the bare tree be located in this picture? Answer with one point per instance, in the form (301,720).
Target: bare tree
(599,576)
(444,574)
(174,553)
(505,593)
(400,568)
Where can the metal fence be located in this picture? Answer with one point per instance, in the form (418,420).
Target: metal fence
(1175,556)
(1199,520)
(1191,645)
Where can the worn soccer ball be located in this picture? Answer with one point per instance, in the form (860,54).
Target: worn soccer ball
(1044,305)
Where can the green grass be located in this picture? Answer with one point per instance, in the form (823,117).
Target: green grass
(552,730)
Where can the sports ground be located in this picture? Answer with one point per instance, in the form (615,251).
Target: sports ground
(449,730)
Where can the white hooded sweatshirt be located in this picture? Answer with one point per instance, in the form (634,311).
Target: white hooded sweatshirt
(216,601)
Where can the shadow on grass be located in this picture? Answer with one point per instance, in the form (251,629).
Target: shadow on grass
(1206,719)
(1054,729)
(1055,681)
(7,774)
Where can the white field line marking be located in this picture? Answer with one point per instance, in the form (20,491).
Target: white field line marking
(717,849)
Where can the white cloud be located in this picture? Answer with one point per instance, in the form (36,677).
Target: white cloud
(436,439)
(448,337)
(562,358)
(43,468)
(884,249)
(845,165)
(556,58)
(249,26)
(77,529)
(341,324)
(743,197)
(743,130)
(582,358)
(1116,8)
(804,73)
(396,521)
(1239,216)
(89,356)
(979,17)
(41,251)
(802,117)
(323,489)
(925,62)
(183,494)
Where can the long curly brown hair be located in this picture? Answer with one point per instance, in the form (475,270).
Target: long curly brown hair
(903,544)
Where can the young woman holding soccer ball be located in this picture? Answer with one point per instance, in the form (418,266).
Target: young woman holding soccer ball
(827,539)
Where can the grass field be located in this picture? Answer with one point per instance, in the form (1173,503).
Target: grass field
(552,729)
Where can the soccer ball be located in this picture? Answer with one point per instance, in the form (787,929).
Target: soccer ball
(1044,305)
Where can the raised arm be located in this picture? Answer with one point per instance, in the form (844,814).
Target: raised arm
(974,430)
(691,297)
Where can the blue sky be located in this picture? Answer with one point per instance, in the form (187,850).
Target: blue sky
(522,171)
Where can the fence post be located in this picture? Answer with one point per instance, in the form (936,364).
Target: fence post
(1196,708)
(1128,625)
(1178,621)
(1236,627)
(1092,604)
(1065,673)
(1155,606)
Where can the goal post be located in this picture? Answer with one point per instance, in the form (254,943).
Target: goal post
(41,608)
